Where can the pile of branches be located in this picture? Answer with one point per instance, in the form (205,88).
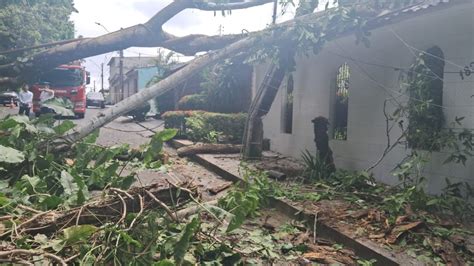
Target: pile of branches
(56,235)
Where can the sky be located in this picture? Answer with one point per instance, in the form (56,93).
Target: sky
(115,14)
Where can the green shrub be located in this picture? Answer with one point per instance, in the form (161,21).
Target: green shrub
(198,130)
(193,102)
(206,126)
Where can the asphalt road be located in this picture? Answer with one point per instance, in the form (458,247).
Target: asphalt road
(121,130)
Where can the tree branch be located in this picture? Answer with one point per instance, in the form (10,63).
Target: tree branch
(149,34)
(195,43)
(209,6)
(167,84)
(13,51)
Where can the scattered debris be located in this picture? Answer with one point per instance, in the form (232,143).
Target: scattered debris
(203,148)
(216,190)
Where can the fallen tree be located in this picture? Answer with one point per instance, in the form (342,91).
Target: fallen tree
(259,39)
(208,148)
(149,34)
(112,209)
(335,22)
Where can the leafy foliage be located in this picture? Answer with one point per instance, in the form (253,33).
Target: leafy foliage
(61,106)
(227,86)
(30,22)
(153,150)
(315,167)
(425,113)
(193,102)
(37,174)
(44,177)
(198,131)
(206,126)
(246,199)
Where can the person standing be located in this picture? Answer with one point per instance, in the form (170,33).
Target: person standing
(26,100)
(46,94)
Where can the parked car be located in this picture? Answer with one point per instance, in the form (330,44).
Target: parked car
(95,99)
(6,97)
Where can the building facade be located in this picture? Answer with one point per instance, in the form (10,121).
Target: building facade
(349,83)
(116,80)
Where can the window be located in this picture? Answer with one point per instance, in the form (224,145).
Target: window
(425,112)
(287,110)
(341,104)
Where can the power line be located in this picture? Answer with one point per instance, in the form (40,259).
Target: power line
(416,49)
(393,90)
(395,68)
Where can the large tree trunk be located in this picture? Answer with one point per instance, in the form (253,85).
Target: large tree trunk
(167,84)
(279,32)
(149,34)
(193,68)
(208,148)
(265,96)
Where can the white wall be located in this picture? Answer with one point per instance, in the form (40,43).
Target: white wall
(451,29)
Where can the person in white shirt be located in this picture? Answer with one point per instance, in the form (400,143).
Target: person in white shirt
(46,94)
(26,100)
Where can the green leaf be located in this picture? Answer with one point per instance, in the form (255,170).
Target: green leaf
(432,202)
(61,106)
(129,239)
(183,244)
(78,233)
(64,127)
(239,218)
(10,155)
(45,129)
(91,138)
(4,201)
(164,263)
(19,120)
(166,134)
(51,202)
(67,181)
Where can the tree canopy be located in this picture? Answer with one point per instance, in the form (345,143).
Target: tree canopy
(25,23)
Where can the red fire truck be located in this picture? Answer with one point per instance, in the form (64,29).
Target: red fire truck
(68,81)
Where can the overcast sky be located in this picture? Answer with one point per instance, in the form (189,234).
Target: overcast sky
(116,14)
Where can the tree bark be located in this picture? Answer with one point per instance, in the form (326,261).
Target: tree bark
(149,34)
(261,104)
(167,84)
(172,81)
(208,148)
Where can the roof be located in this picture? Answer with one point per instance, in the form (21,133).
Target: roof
(392,16)
(424,6)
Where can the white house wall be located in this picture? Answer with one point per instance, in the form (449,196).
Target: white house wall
(314,89)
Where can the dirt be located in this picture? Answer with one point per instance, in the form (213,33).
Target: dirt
(359,221)
(274,239)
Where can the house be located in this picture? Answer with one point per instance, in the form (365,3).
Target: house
(137,78)
(348,83)
(116,77)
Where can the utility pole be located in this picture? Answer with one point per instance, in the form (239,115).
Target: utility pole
(274,17)
(102,77)
(94,85)
(121,74)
